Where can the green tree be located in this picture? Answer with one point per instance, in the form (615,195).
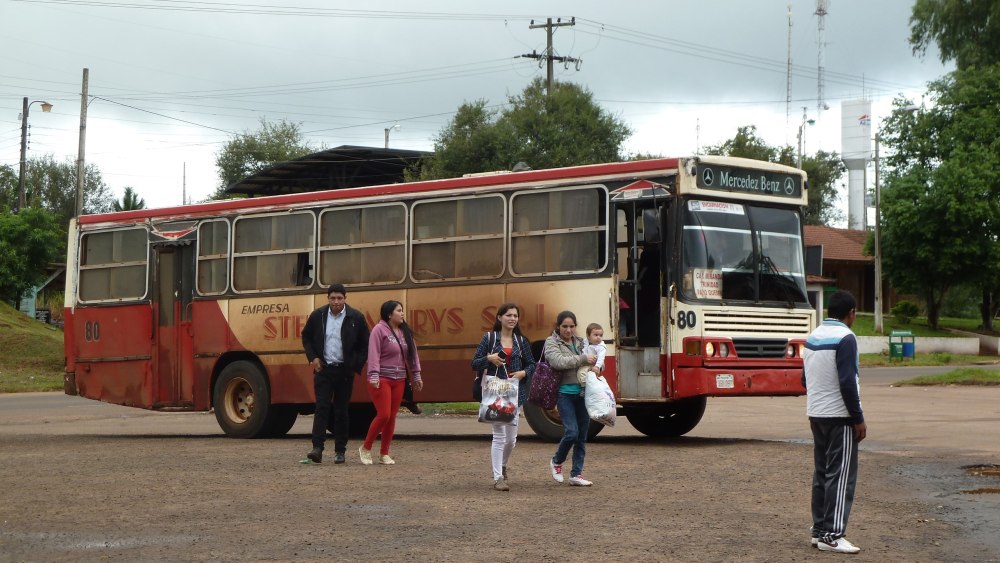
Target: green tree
(748,144)
(130,201)
(965,31)
(8,188)
(470,142)
(564,128)
(29,241)
(253,151)
(824,170)
(51,185)
(941,202)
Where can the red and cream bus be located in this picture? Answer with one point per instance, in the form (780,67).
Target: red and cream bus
(694,266)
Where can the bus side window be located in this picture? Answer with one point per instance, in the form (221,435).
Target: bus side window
(303,269)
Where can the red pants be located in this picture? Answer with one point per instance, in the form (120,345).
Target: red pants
(387,399)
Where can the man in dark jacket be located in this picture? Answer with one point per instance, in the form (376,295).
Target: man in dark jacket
(335,340)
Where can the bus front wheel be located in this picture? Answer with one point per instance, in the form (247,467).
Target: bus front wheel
(548,426)
(670,420)
(242,401)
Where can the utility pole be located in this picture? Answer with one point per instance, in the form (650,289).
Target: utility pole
(549,56)
(24,151)
(81,169)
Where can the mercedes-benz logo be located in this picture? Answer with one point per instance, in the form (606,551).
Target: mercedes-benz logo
(707,176)
(789,186)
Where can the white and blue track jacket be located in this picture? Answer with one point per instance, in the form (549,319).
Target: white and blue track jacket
(830,373)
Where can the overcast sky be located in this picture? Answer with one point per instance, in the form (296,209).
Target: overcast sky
(172,80)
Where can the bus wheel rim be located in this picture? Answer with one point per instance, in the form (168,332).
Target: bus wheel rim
(239,400)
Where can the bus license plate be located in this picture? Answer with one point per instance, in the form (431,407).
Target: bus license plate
(724,381)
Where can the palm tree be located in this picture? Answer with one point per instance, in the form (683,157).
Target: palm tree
(130,201)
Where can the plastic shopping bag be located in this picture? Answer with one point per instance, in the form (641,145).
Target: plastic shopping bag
(600,400)
(499,402)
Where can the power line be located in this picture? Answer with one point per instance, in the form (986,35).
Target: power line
(272,10)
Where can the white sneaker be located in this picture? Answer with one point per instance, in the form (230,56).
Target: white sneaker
(386,460)
(579,481)
(556,471)
(366,456)
(840,545)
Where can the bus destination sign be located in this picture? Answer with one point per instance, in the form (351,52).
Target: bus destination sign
(727,178)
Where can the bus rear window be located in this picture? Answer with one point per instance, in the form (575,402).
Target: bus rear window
(213,257)
(113,265)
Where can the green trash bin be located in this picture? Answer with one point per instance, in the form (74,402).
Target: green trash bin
(902,345)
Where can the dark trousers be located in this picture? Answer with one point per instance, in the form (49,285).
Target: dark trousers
(835,457)
(333,384)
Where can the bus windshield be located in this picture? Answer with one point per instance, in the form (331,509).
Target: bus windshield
(738,252)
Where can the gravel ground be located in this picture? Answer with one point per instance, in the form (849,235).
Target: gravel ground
(111,483)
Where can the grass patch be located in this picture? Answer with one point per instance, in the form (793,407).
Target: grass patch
(31,353)
(960,376)
(933,359)
(864,325)
(450,408)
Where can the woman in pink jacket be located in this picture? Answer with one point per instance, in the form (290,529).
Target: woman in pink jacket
(390,351)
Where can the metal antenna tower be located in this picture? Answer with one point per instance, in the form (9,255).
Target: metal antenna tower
(788,72)
(821,12)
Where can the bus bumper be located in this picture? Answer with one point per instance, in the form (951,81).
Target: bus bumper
(712,382)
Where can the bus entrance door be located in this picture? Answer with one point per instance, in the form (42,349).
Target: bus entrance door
(171,306)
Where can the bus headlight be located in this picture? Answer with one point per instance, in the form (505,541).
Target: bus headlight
(709,349)
(790,351)
(724,349)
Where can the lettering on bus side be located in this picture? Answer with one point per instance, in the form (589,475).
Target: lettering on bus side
(425,321)
(284,327)
(530,319)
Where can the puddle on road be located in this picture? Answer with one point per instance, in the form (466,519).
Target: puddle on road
(989,470)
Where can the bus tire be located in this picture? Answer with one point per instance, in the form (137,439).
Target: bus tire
(359,418)
(548,426)
(242,400)
(280,420)
(670,420)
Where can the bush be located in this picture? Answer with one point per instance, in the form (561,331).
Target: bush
(904,311)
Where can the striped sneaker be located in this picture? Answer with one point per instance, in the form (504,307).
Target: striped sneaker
(839,545)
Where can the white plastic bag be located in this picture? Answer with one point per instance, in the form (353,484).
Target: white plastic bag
(499,402)
(600,400)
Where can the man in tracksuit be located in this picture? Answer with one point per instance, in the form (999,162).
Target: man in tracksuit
(830,376)
(335,340)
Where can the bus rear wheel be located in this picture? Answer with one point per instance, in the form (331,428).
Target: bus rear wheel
(280,420)
(670,420)
(548,426)
(242,401)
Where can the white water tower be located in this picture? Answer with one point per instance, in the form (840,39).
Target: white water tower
(856,148)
